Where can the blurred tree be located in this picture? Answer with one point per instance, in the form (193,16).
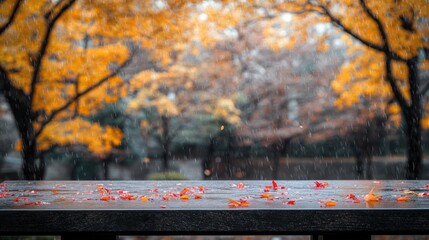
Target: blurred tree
(391,51)
(169,101)
(60,60)
(114,115)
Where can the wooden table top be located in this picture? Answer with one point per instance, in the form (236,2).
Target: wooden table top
(214,207)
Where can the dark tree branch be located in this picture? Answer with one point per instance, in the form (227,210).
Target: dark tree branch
(45,42)
(388,58)
(377,21)
(395,88)
(340,24)
(83,93)
(11,17)
(349,31)
(48,14)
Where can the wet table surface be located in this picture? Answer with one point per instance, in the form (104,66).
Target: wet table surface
(213,207)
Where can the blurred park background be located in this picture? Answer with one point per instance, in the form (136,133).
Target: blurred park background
(214,89)
(205,89)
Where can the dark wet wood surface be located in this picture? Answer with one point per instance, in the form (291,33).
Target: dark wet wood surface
(57,207)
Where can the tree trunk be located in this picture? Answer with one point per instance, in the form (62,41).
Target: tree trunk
(413,117)
(165,142)
(20,105)
(364,141)
(41,168)
(276,159)
(279,150)
(106,165)
(207,166)
(368,169)
(29,156)
(228,155)
(359,164)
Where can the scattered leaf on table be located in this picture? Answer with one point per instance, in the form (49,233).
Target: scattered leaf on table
(240,203)
(350,196)
(409,192)
(275,186)
(403,199)
(371,197)
(423,194)
(319,185)
(266,195)
(330,203)
(144,199)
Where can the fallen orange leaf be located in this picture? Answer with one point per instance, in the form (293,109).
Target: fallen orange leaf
(241,203)
(403,199)
(184,191)
(105,198)
(144,199)
(330,204)
(184,197)
(371,197)
(265,195)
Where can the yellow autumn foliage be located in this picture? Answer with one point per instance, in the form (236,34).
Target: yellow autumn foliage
(225,109)
(86,45)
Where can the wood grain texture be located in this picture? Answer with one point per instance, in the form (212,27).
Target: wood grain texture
(75,207)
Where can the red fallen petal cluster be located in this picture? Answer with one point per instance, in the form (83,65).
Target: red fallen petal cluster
(291,202)
(36,203)
(125,195)
(350,196)
(103,191)
(275,186)
(319,185)
(169,196)
(3,195)
(185,191)
(240,185)
(4,192)
(353,198)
